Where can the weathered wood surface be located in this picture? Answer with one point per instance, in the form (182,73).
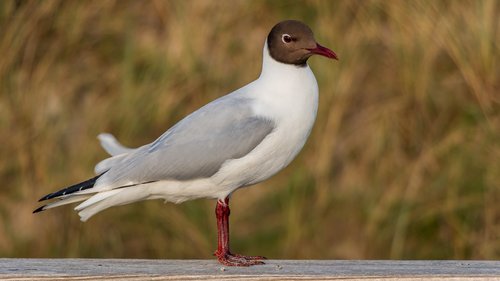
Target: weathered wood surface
(129,269)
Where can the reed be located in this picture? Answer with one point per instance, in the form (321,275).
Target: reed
(403,161)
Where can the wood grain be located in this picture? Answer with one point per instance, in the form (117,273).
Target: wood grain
(131,269)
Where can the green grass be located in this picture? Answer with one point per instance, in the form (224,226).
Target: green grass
(403,161)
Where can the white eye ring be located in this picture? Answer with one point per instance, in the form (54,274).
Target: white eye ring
(286,38)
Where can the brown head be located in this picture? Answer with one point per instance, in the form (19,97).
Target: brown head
(292,42)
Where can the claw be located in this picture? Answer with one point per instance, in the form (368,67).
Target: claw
(230,259)
(250,258)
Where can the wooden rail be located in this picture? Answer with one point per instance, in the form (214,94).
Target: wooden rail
(130,269)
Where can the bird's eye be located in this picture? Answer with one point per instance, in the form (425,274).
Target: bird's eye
(286,38)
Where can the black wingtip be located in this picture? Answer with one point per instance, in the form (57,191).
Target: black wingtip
(39,209)
(45,197)
(72,189)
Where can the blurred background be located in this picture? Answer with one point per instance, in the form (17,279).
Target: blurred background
(403,161)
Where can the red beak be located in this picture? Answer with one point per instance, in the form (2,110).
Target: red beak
(323,51)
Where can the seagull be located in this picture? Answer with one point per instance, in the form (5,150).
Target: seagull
(235,141)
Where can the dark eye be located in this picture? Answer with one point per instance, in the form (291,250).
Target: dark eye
(286,38)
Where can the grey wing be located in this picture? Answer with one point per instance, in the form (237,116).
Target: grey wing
(196,147)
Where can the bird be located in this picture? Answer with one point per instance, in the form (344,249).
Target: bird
(235,141)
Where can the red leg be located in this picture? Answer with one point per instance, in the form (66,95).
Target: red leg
(223,253)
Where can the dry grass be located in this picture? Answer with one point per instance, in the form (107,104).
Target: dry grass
(403,162)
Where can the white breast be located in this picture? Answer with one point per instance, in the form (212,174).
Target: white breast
(288,95)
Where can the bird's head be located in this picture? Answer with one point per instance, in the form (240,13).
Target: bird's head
(292,42)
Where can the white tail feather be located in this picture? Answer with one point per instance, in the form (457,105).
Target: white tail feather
(111,145)
(96,198)
(114,148)
(115,197)
(107,163)
(66,200)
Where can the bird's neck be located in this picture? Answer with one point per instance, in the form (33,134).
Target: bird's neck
(285,88)
(274,69)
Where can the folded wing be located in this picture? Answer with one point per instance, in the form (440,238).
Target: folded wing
(194,148)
